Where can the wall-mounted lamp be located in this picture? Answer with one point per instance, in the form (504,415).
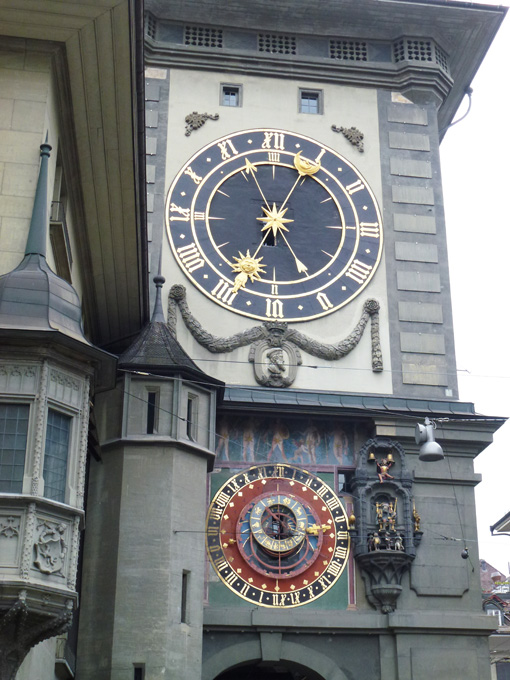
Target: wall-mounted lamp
(424,435)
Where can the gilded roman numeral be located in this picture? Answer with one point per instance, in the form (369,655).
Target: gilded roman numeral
(274,308)
(227,149)
(334,569)
(340,553)
(222,499)
(354,187)
(231,578)
(190,257)
(359,271)
(274,140)
(182,212)
(369,229)
(221,564)
(333,503)
(216,513)
(324,302)
(193,175)
(224,292)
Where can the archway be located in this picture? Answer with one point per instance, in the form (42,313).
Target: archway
(269,671)
(295,662)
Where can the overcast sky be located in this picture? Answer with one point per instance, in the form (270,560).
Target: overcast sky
(475,157)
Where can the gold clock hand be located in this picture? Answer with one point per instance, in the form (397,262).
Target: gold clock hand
(251,169)
(247,267)
(302,269)
(304,168)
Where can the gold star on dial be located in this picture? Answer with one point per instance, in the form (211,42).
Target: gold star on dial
(274,219)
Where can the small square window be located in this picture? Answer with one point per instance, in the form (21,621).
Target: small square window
(310,101)
(230,95)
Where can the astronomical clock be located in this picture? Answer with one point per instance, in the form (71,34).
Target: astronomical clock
(272,224)
(277,535)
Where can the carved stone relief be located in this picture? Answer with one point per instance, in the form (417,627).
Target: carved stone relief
(64,387)
(195,120)
(18,378)
(50,547)
(278,369)
(41,411)
(275,361)
(9,526)
(353,135)
(19,630)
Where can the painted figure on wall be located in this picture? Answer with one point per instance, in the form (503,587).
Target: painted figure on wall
(286,440)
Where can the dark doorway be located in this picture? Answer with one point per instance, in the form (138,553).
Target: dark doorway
(269,672)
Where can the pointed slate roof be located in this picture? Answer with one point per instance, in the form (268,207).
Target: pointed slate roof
(32,296)
(37,305)
(157,350)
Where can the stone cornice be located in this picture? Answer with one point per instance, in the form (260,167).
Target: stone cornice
(402,76)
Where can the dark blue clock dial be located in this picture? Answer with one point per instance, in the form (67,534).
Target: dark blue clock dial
(274,225)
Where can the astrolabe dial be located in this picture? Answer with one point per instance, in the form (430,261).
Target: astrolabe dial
(274,225)
(277,536)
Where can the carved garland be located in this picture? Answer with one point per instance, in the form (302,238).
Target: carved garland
(277,334)
(84,432)
(40,419)
(26,556)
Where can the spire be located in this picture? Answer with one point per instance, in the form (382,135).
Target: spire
(32,296)
(158,315)
(157,349)
(36,242)
(36,303)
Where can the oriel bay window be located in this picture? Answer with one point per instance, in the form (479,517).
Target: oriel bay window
(13,446)
(56,452)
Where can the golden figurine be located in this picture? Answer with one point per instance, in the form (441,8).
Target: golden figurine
(383,467)
(416,518)
(386,515)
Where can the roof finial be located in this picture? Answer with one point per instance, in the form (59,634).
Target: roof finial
(36,241)
(157,314)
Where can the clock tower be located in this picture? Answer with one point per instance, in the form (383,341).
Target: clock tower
(295,207)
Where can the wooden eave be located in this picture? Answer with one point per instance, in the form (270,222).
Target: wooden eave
(100,39)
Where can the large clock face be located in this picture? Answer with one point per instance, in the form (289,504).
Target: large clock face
(274,225)
(277,536)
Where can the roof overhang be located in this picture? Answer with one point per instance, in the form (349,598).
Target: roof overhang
(102,69)
(502,525)
(464,30)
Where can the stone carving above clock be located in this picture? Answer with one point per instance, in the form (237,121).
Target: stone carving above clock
(195,120)
(274,225)
(275,347)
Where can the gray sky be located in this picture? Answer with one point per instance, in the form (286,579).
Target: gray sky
(475,157)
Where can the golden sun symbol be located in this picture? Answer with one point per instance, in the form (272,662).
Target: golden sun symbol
(248,268)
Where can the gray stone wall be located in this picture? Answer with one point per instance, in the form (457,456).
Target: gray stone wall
(419,305)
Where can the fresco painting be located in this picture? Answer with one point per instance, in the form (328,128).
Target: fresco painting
(285,440)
